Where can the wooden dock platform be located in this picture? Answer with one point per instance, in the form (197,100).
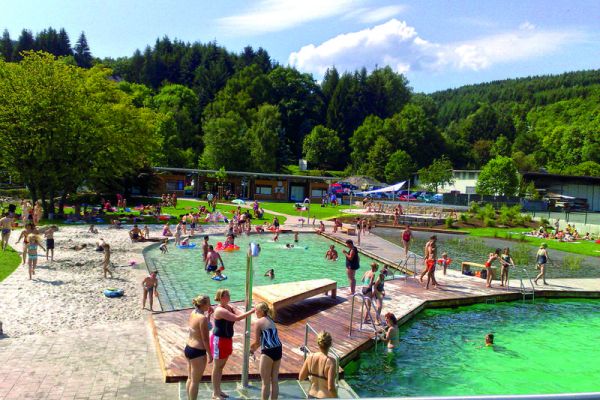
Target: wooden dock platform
(404,298)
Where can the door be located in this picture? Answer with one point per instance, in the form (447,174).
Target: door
(297,193)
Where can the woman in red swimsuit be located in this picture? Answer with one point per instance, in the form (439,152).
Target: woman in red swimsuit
(488,267)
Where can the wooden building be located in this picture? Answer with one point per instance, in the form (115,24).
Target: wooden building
(245,185)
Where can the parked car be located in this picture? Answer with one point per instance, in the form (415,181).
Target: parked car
(407,197)
(437,198)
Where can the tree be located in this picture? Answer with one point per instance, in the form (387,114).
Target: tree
(83,55)
(6,46)
(377,158)
(25,42)
(501,147)
(400,166)
(499,177)
(83,129)
(263,139)
(225,142)
(322,147)
(439,173)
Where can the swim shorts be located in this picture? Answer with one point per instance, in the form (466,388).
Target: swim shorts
(220,347)
(211,268)
(49,244)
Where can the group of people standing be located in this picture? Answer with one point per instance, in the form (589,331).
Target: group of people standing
(213,343)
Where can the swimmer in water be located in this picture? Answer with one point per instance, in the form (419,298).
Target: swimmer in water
(489,339)
(270,273)
(289,246)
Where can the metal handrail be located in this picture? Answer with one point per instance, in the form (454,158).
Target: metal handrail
(524,289)
(404,263)
(308,328)
(363,298)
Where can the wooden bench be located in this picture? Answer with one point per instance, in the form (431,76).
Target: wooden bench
(284,294)
(348,230)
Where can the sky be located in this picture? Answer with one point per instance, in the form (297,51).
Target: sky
(436,44)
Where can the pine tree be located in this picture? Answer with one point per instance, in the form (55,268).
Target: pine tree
(83,55)
(64,44)
(25,42)
(6,46)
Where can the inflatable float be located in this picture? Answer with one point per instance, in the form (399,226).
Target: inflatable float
(219,277)
(187,246)
(231,247)
(112,292)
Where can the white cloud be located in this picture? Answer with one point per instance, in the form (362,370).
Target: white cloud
(398,45)
(380,14)
(277,15)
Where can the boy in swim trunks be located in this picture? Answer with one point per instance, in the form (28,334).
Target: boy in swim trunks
(50,242)
(212,260)
(150,285)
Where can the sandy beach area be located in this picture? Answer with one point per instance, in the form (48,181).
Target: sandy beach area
(68,292)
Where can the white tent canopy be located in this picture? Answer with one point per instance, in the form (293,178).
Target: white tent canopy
(387,189)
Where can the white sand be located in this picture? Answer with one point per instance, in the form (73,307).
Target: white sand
(68,293)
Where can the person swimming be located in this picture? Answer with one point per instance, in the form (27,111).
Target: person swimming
(489,339)
(289,246)
(270,273)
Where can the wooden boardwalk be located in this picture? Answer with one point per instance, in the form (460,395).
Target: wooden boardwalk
(404,298)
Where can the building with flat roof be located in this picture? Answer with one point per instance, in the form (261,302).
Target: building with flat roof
(241,184)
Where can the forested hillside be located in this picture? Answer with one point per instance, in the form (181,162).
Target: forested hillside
(243,111)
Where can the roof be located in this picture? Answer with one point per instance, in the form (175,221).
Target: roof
(572,178)
(245,173)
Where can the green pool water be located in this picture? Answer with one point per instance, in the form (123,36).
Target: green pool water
(182,275)
(541,348)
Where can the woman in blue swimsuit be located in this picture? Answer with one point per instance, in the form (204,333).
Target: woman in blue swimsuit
(266,337)
(541,260)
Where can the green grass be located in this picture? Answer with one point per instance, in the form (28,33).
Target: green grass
(315,210)
(586,248)
(183,207)
(9,261)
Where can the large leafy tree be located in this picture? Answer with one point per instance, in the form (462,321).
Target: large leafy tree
(263,139)
(225,142)
(399,166)
(63,126)
(439,173)
(499,177)
(322,147)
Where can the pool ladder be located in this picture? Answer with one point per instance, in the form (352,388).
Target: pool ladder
(526,291)
(362,315)
(404,265)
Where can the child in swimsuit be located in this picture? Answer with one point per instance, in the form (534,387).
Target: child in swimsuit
(106,261)
(33,242)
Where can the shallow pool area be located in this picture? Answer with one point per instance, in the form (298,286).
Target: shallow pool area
(182,276)
(541,348)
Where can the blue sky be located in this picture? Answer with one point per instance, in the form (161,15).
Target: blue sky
(436,44)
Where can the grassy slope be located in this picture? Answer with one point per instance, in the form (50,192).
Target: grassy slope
(9,261)
(587,248)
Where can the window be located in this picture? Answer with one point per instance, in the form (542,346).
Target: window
(174,185)
(318,192)
(266,190)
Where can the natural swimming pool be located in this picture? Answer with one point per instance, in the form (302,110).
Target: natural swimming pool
(465,248)
(182,276)
(541,348)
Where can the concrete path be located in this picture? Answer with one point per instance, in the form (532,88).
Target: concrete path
(103,362)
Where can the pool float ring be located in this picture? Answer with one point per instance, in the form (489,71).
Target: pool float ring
(598,241)
(187,246)
(219,278)
(441,261)
(272,228)
(112,292)
(164,217)
(230,247)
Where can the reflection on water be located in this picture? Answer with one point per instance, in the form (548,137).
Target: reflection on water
(465,248)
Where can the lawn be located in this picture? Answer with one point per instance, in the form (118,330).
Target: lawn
(586,248)
(9,261)
(315,210)
(183,207)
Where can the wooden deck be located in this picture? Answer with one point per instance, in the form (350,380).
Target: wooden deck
(404,298)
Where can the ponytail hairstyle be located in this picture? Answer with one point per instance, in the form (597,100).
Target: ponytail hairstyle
(265,309)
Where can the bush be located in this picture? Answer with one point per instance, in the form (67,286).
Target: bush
(449,222)
(487,212)
(16,193)
(464,218)
(544,222)
(489,222)
(572,263)
(474,208)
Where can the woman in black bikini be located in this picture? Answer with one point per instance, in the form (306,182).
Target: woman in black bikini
(266,337)
(320,367)
(197,343)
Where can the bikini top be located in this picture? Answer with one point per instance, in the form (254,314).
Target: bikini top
(310,373)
